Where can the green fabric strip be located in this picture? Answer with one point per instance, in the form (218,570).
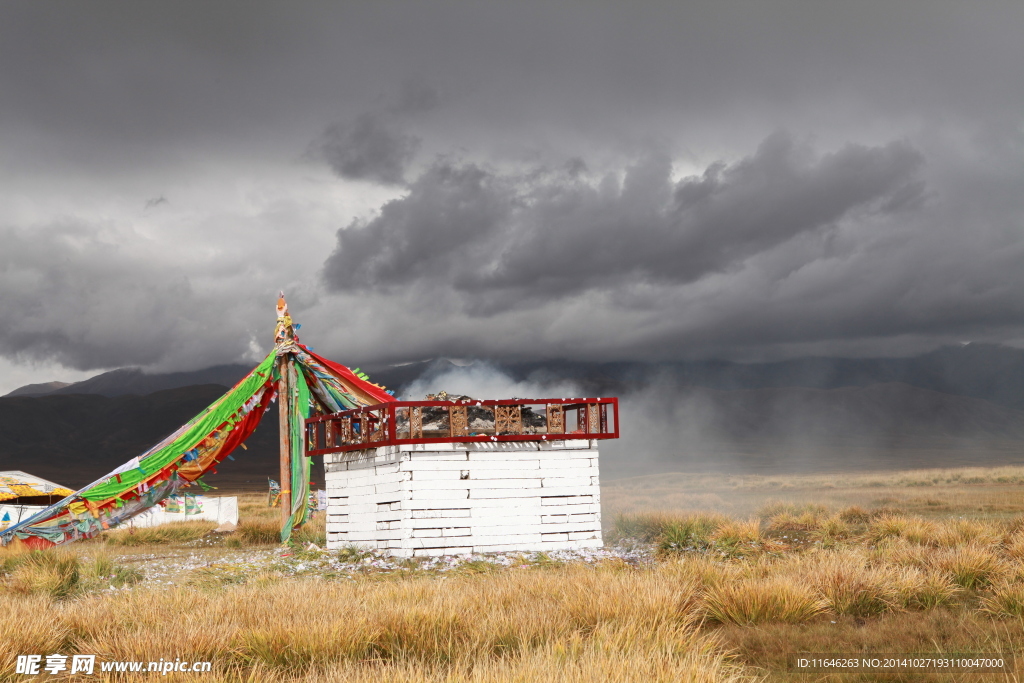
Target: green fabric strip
(198,429)
(298,411)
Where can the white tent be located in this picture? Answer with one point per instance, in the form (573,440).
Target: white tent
(23,495)
(15,484)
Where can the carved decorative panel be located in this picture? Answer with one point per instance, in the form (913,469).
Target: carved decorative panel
(593,419)
(416,422)
(556,419)
(508,420)
(458,421)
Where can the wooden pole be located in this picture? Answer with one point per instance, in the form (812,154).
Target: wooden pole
(284,392)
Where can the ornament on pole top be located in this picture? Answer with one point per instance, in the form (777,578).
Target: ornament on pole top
(284,334)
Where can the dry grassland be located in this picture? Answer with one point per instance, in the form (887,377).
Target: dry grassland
(742,572)
(977,492)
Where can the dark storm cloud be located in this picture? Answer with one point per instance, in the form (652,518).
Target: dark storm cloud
(483,232)
(368,149)
(374,146)
(787,251)
(889,220)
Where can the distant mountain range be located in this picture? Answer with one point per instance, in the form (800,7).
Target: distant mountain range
(951,407)
(987,371)
(135,381)
(38,389)
(74,439)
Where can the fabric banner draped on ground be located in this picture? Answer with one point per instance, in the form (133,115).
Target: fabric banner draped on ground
(182,458)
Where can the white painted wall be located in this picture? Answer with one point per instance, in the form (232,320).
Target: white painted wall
(12,514)
(460,498)
(219,509)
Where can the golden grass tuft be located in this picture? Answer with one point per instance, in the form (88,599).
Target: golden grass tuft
(53,573)
(690,532)
(970,566)
(923,589)
(901,553)
(259,532)
(852,588)
(1005,601)
(762,600)
(888,526)
(737,534)
(794,522)
(959,532)
(313,531)
(1014,547)
(921,532)
(832,530)
(700,569)
(60,573)
(855,514)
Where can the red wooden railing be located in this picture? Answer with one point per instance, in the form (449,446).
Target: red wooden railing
(411,422)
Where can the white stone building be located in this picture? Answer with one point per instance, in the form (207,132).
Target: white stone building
(459,498)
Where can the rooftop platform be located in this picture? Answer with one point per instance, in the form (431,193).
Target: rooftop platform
(462,421)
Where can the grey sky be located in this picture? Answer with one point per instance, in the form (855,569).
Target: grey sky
(506,180)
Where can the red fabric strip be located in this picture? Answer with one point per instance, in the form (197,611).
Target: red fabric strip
(349,377)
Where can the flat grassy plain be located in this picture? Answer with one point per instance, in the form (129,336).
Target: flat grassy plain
(917,561)
(708,578)
(977,492)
